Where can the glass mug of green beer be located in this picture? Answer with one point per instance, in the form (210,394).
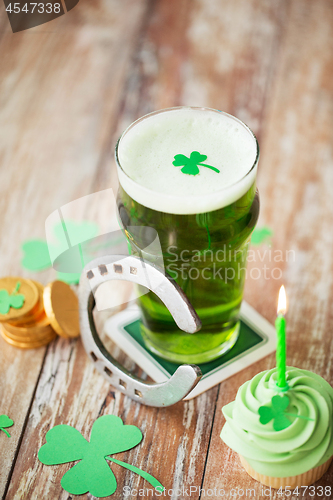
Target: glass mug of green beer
(190,174)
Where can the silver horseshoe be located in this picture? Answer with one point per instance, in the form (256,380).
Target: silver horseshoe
(137,270)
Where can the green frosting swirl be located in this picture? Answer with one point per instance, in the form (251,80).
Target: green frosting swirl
(303,445)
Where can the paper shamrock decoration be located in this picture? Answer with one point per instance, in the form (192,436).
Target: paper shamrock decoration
(5,422)
(36,252)
(92,474)
(14,299)
(191,164)
(277,412)
(261,235)
(36,255)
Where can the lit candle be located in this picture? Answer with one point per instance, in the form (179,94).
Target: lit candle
(280,325)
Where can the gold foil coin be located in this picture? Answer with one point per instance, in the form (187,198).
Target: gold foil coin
(35,331)
(31,297)
(36,313)
(62,308)
(29,343)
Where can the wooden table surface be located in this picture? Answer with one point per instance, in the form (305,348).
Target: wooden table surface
(68,88)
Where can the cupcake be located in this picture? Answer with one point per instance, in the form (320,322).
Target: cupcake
(284,438)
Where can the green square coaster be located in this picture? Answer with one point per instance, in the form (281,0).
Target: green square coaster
(247,339)
(256,340)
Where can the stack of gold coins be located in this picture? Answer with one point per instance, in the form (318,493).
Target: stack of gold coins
(34,325)
(28,326)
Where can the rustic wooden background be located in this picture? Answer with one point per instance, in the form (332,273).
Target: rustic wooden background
(68,88)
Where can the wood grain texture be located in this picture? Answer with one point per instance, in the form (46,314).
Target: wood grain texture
(60,92)
(295,176)
(71,391)
(68,89)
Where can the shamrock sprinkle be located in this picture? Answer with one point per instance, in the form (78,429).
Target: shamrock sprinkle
(92,474)
(278,413)
(191,164)
(14,299)
(5,422)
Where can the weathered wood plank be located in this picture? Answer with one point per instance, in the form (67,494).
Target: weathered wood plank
(60,91)
(189,427)
(173,69)
(71,391)
(218,54)
(295,184)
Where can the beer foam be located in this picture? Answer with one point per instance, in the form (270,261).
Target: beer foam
(146,153)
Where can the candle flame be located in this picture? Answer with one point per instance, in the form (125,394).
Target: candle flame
(282,303)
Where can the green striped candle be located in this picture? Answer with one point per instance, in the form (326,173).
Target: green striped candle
(281,351)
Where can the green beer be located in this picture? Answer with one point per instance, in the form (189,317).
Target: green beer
(177,177)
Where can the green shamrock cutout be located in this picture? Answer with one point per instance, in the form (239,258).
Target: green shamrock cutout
(278,413)
(14,299)
(36,252)
(92,474)
(5,422)
(36,255)
(191,164)
(261,235)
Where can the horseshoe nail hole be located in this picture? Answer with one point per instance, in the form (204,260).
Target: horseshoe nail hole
(103,269)
(122,383)
(138,393)
(90,275)
(133,270)
(93,355)
(118,268)
(107,371)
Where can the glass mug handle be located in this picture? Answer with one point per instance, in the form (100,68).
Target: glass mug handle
(141,272)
